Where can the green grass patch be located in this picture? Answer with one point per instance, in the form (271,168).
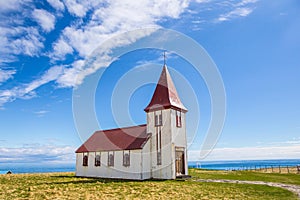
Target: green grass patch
(246,175)
(67,186)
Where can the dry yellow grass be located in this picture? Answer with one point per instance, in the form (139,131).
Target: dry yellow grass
(67,186)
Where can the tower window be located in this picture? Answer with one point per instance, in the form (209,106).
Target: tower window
(110,159)
(158,119)
(97,160)
(126,158)
(85,160)
(178,119)
(158,158)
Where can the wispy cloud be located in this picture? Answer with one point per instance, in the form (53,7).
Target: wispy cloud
(45,19)
(41,113)
(293,141)
(237,9)
(113,18)
(19,40)
(106,19)
(106,22)
(38,153)
(11,5)
(17,37)
(238,12)
(79,8)
(27,91)
(57,4)
(6,74)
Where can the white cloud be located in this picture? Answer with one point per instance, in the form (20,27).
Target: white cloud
(19,40)
(30,44)
(27,91)
(57,4)
(11,5)
(240,9)
(80,8)
(37,153)
(45,19)
(246,2)
(238,12)
(41,112)
(202,1)
(74,75)
(6,74)
(60,49)
(108,21)
(117,17)
(50,75)
(250,153)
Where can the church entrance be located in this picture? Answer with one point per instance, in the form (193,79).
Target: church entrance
(179,161)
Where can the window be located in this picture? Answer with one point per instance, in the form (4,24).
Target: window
(126,158)
(85,160)
(178,119)
(97,160)
(110,159)
(158,158)
(158,145)
(158,119)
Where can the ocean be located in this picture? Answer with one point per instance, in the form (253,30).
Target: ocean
(37,168)
(216,165)
(243,164)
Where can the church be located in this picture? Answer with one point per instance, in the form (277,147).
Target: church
(155,150)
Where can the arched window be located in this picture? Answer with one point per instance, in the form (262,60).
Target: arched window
(85,160)
(97,160)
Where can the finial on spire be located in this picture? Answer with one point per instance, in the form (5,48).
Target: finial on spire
(164,58)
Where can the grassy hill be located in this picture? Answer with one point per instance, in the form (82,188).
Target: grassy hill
(287,178)
(67,186)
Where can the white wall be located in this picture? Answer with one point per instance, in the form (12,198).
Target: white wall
(165,170)
(146,161)
(134,171)
(179,135)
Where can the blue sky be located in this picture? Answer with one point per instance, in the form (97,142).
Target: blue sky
(254,43)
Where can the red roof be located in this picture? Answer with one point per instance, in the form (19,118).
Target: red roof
(165,94)
(127,138)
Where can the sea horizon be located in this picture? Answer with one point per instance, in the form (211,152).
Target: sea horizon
(20,168)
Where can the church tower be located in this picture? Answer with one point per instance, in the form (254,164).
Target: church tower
(166,121)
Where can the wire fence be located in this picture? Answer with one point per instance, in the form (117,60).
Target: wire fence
(263,168)
(270,168)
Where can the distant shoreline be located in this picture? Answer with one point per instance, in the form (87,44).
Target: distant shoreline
(213,165)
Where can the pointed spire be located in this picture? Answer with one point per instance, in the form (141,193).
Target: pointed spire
(165,94)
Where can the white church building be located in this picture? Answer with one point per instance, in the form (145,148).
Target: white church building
(156,150)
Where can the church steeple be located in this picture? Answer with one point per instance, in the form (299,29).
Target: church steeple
(165,95)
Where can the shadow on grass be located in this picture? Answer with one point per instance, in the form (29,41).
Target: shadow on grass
(82,180)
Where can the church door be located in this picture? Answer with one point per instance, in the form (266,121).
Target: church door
(179,162)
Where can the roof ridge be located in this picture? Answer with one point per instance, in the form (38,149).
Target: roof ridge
(141,125)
